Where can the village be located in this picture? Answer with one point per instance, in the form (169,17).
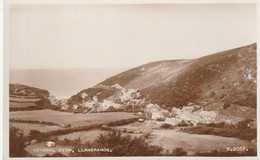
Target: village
(192,114)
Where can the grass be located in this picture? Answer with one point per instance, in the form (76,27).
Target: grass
(33,122)
(21,105)
(38,92)
(23,100)
(76,120)
(90,127)
(244,134)
(47,135)
(84,136)
(227,153)
(27,127)
(192,143)
(120,145)
(22,96)
(176,83)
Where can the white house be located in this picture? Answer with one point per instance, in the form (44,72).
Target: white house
(172,121)
(83,95)
(188,108)
(140,120)
(157,116)
(143,69)
(75,106)
(129,95)
(207,116)
(152,107)
(139,113)
(117,86)
(64,107)
(107,103)
(88,104)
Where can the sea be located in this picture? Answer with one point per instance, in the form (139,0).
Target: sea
(62,83)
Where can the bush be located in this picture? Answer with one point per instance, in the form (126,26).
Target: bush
(147,135)
(123,122)
(124,130)
(248,134)
(34,134)
(226,105)
(182,124)
(17,143)
(120,146)
(244,124)
(33,122)
(223,130)
(167,126)
(211,125)
(105,127)
(212,94)
(220,125)
(160,119)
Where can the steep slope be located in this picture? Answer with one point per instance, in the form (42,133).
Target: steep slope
(220,77)
(221,81)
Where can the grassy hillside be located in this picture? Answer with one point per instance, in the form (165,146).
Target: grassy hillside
(216,81)
(22,97)
(27,90)
(219,77)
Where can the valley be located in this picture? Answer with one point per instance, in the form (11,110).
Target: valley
(167,108)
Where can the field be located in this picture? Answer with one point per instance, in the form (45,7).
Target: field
(57,117)
(76,120)
(12,99)
(170,139)
(27,127)
(19,102)
(22,96)
(85,136)
(21,105)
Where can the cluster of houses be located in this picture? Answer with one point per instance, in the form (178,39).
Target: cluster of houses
(188,115)
(95,106)
(128,97)
(191,114)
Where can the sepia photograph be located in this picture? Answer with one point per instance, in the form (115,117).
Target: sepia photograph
(131,80)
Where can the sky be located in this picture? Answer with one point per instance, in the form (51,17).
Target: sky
(124,36)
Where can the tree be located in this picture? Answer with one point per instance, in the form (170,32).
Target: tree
(244,124)
(17,143)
